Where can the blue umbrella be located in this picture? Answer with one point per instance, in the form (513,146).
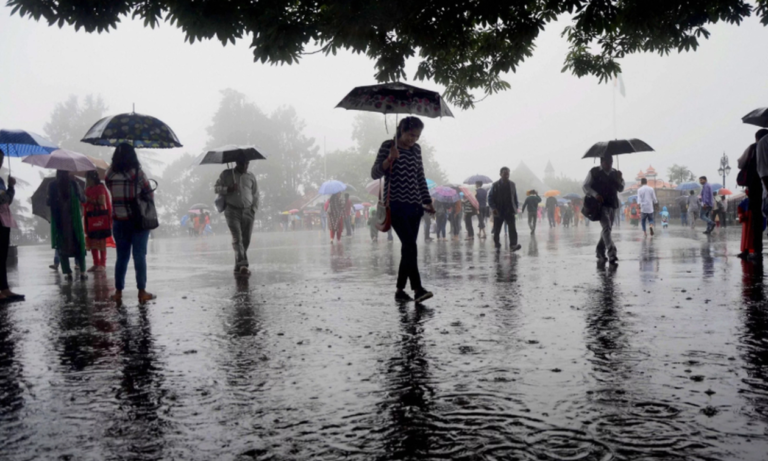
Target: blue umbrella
(572,196)
(688,186)
(562,201)
(332,187)
(478,178)
(20,143)
(632,199)
(431,184)
(715,186)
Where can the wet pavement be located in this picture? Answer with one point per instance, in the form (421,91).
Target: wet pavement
(539,355)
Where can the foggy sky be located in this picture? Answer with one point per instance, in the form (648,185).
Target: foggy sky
(687,106)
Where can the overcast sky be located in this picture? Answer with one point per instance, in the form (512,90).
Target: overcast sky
(687,106)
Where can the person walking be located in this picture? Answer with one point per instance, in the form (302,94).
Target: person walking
(399,162)
(469,211)
(722,210)
(531,203)
(126,180)
(646,197)
(502,199)
(66,198)
(442,219)
(551,205)
(98,221)
(694,208)
(707,204)
(683,212)
(482,213)
(241,192)
(7,194)
(348,215)
(335,209)
(604,184)
(749,162)
(427,222)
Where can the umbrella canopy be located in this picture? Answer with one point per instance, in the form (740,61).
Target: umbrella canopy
(332,187)
(294,211)
(715,186)
(562,201)
(632,199)
(355,199)
(572,196)
(62,159)
(20,143)
(199,206)
(470,196)
(374,187)
(101,167)
(682,199)
(135,129)
(617,147)
(396,98)
(40,198)
(358,206)
(445,194)
(478,178)
(724,191)
(367,204)
(551,193)
(431,184)
(230,154)
(688,186)
(757,117)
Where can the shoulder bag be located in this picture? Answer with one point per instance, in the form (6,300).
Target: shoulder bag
(592,208)
(383,212)
(143,209)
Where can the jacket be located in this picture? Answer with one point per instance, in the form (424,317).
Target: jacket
(493,197)
(605,185)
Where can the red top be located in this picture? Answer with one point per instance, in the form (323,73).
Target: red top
(97,198)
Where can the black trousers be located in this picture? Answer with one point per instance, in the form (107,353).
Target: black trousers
(468,223)
(532,218)
(551,218)
(406,219)
(498,223)
(5,243)
(756,208)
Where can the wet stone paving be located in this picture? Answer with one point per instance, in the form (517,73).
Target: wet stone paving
(539,355)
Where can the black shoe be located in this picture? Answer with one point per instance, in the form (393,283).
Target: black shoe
(755,257)
(742,255)
(422,295)
(651,231)
(497,246)
(402,297)
(614,261)
(516,247)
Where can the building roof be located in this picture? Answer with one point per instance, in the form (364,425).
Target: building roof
(525,180)
(549,168)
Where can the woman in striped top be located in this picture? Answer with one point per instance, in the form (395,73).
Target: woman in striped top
(401,165)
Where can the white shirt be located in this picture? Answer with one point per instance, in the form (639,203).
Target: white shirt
(646,197)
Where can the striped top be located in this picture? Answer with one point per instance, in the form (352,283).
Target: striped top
(407,175)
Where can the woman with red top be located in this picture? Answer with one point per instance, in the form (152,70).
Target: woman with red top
(126,180)
(98,221)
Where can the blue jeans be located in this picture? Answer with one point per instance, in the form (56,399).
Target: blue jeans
(705,213)
(646,217)
(128,240)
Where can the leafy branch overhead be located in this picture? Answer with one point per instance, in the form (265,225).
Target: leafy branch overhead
(465,46)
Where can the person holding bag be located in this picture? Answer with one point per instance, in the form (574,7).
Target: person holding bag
(98,221)
(130,190)
(399,162)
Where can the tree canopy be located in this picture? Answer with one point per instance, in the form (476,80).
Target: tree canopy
(464,46)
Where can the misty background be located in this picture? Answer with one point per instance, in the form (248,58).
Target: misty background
(57,82)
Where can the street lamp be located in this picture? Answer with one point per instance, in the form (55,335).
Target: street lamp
(724,169)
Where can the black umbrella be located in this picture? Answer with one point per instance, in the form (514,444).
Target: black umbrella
(230,154)
(135,129)
(757,117)
(617,147)
(396,98)
(40,198)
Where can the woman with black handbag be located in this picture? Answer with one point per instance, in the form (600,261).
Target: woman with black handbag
(399,162)
(98,221)
(127,183)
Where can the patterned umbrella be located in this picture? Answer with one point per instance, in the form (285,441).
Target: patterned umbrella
(445,194)
(478,178)
(396,98)
(20,143)
(135,129)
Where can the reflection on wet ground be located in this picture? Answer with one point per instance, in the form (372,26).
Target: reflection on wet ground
(540,355)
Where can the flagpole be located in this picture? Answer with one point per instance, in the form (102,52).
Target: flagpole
(615,137)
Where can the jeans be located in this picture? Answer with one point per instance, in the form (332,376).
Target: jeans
(442,223)
(348,225)
(427,222)
(240,222)
(406,218)
(684,218)
(324,221)
(532,221)
(468,223)
(130,241)
(5,244)
(646,217)
(507,218)
(607,216)
(551,217)
(482,214)
(705,216)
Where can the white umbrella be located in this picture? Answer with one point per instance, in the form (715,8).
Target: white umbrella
(62,159)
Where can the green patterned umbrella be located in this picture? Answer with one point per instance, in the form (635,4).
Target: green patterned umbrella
(140,131)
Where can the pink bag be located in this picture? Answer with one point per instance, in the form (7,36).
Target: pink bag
(6,218)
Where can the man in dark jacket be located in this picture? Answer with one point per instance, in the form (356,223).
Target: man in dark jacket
(551,205)
(748,162)
(604,184)
(532,204)
(502,199)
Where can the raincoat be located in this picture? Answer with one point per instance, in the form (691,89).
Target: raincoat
(664,217)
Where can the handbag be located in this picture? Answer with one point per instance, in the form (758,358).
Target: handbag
(592,209)
(383,212)
(143,211)
(220,203)
(97,224)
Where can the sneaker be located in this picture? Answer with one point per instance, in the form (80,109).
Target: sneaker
(422,295)
(93,269)
(402,297)
(614,261)
(516,247)
(54,267)
(601,259)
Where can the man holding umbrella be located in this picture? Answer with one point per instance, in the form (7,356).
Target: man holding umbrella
(604,184)
(241,193)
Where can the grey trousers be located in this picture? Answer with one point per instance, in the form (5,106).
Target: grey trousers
(240,222)
(607,218)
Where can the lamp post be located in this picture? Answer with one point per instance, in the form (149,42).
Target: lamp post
(724,169)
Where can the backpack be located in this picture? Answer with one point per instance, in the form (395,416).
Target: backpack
(591,209)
